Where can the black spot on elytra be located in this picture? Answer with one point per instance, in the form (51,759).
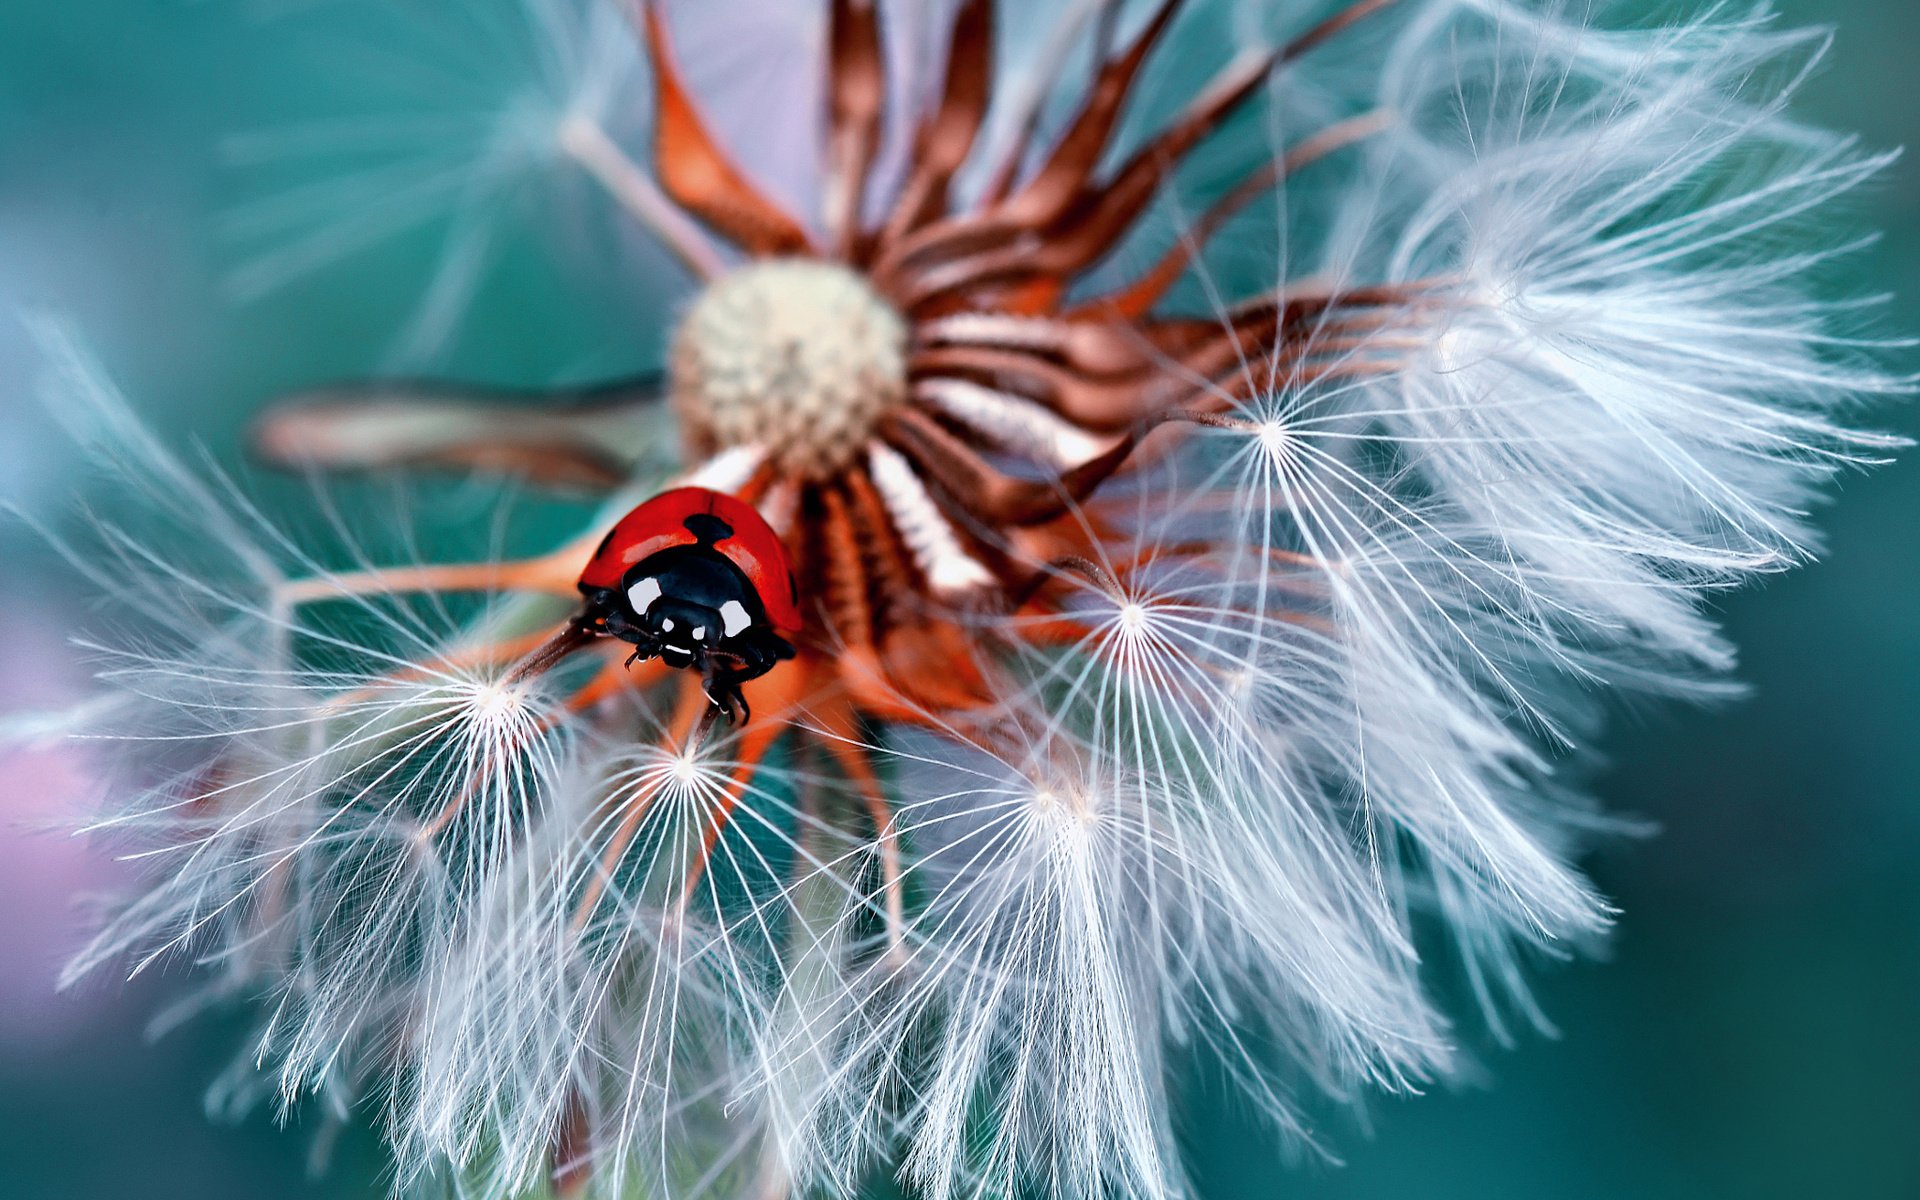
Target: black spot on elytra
(708,528)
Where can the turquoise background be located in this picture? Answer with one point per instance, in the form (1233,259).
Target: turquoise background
(1755,1036)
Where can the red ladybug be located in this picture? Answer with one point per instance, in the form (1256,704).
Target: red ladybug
(698,579)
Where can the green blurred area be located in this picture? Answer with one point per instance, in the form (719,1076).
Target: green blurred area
(1756,1034)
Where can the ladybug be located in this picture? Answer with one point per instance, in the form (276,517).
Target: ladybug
(699,580)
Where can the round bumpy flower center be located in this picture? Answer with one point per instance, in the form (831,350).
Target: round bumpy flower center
(799,357)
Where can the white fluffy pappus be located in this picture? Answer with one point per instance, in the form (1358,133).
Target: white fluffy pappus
(316,785)
(1080,923)
(423,864)
(1633,386)
(612,1005)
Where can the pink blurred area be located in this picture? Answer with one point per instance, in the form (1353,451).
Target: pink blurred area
(55,268)
(46,871)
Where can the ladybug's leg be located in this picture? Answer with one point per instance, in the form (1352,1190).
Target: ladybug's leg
(613,678)
(723,682)
(727,700)
(746,657)
(644,650)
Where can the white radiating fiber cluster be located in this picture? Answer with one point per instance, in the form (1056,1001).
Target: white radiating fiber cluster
(1211,820)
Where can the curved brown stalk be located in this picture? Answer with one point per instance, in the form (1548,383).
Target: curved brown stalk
(696,172)
(946,138)
(856,99)
(584,437)
(971,484)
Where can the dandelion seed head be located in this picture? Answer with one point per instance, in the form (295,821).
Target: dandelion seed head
(501,705)
(801,356)
(1209,590)
(686,770)
(1274,437)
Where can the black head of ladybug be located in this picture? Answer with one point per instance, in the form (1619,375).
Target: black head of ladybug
(693,608)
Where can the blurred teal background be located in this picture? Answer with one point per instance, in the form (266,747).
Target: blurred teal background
(1755,1036)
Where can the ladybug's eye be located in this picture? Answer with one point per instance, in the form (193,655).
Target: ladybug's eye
(642,595)
(733,616)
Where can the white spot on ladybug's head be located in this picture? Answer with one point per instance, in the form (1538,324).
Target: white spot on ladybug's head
(734,618)
(642,594)
(799,356)
(666,624)
(699,632)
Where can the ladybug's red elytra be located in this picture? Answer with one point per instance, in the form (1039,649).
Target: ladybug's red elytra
(698,579)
